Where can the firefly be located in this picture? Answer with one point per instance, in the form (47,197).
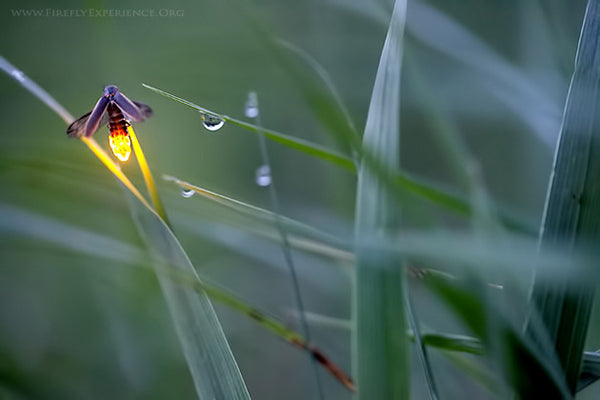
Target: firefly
(119,112)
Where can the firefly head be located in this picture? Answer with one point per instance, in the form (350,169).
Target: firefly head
(110,91)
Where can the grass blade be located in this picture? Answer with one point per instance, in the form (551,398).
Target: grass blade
(543,378)
(420,344)
(262,214)
(35,89)
(215,372)
(287,140)
(397,182)
(380,346)
(571,214)
(17,221)
(206,350)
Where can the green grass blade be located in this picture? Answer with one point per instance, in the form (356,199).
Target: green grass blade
(590,371)
(287,140)
(420,347)
(397,183)
(263,215)
(215,372)
(572,215)
(35,89)
(17,221)
(543,378)
(380,346)
(452,342)
(205,347)
(503,80)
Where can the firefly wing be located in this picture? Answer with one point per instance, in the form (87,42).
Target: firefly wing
(128,107)
(77,127)
(145,109)
(96,116)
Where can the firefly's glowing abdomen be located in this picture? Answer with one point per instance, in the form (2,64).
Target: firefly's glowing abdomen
(118,140)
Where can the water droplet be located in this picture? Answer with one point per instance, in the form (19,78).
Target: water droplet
(251,108)
(18,75)
(187,193)
(212,122)
(263,175)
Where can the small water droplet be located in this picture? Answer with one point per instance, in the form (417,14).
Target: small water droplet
(187,193)
(18,75)
(212,122)
(263,175)
(251,108)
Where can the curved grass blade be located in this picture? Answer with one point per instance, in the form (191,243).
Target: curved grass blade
(212,365)
(290,141)
(326,79)
(213,368)
(262,214)
(503,80)
(380,346)
(398,182)
(14,220)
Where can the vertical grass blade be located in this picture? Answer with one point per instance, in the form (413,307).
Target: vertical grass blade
(572,215)
(380,345)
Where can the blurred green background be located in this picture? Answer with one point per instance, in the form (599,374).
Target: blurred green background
(79,322)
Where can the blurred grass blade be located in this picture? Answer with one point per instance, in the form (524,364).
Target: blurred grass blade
(534,104)
(397,182)
(380,346)
(215,372)
(35,89)
(543,377)
(590,372)
(473,369)
(264,215)
(290,141)
(531,103)
(206,350)
(451,342)
(420,346)
(326,79)
(17,221)
(572,215)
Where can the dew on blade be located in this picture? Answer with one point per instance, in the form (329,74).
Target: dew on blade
(18,75)
(251,108)
(212,122)
(187,193)
(263,175)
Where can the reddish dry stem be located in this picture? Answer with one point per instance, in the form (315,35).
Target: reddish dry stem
(329,365)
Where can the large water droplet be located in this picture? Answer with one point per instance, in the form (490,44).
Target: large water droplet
(263,175)
(251,108)
(187,193)
(212,122)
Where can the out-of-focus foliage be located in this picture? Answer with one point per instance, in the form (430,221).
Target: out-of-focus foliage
(76,322)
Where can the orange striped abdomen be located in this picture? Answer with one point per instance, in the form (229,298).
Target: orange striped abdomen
(119,140)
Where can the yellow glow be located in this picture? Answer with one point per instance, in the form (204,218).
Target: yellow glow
(120,145)
(150,185)
(114,168)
